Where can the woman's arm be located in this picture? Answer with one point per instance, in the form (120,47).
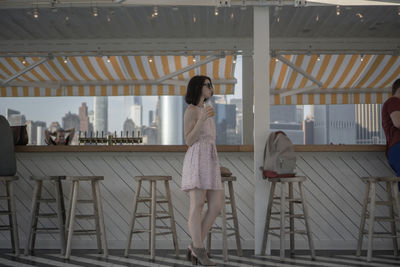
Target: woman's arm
(193,123)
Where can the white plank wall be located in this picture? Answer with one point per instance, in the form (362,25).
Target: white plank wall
(334,191)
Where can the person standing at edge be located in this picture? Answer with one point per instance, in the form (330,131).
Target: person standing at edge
(391,126)
(201,175)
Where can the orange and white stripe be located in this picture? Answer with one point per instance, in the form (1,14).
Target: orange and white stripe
(121,68)
(364,78)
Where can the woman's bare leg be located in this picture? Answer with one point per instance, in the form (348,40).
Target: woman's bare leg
(215,200)
(197,199)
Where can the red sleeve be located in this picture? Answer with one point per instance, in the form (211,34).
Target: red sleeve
(393,105)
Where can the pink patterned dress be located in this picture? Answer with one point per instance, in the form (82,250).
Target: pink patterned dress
(201,166)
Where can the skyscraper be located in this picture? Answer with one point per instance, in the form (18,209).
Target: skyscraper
(101,115)
(369,124)
(15,118)
(84,123)
(71,120)
(171,120)
(136,114)
(334,124)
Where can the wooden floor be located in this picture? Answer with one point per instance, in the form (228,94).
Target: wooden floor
(139,258)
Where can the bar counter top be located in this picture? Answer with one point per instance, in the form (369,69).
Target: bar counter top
(183,148)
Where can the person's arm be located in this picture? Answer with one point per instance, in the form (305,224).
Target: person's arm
(192,124)
(47,137)
(71,135)
(395,116)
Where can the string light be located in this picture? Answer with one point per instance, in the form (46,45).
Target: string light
(360,16)
(318,57)
(243,7)
(234,61)
(194,18)
(278,19)
(232,15)
(337,10)
(108,59)
(23,60)
(398,11)
(216,12)
(67,18)
(155,11)
(276,59)
(108,18)
(36,13)
(65,60)
(362,57)
(317,18)
(194,60)
(150,59)
(95,12)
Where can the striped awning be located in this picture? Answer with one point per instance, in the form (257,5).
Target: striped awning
(346,79)
(113,76)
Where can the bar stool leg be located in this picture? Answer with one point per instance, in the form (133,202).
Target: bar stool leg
(96,219)
(74,189)
(396,200)
(235,219)
(151,195)
(37,191)
(153,220)
(363,218)
(133,218)
(371,221)
(101,219)
(291,219)
(307,219)
(282,233)
(13,218)
(172,218)
(268,217)
(224,235)
(61,224)
(392,216)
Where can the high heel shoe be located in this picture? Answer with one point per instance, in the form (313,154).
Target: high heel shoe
(199,256)
(189,252)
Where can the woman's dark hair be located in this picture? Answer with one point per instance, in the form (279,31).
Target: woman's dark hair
(395,86)
(195,88)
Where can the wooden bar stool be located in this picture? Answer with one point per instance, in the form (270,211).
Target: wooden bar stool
(11,212)
(98,217)
(281,200)
(226,216)
(35,211)
(153,215)
(370,197)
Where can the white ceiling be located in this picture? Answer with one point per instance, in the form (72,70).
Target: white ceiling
(121,28)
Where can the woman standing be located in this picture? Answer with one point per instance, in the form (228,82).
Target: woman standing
(201,175)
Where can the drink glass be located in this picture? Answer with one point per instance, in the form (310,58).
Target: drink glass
(208,104)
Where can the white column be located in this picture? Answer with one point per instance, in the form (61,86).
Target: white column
(261,117)
(248,97)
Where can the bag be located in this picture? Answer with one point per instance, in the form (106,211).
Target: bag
(279,156)
(225,172)
(20,135)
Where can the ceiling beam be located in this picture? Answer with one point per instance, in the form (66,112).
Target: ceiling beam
(186,69)
(334,91)
(196,46)
(299,70)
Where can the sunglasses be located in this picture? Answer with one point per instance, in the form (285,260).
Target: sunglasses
(209,86)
